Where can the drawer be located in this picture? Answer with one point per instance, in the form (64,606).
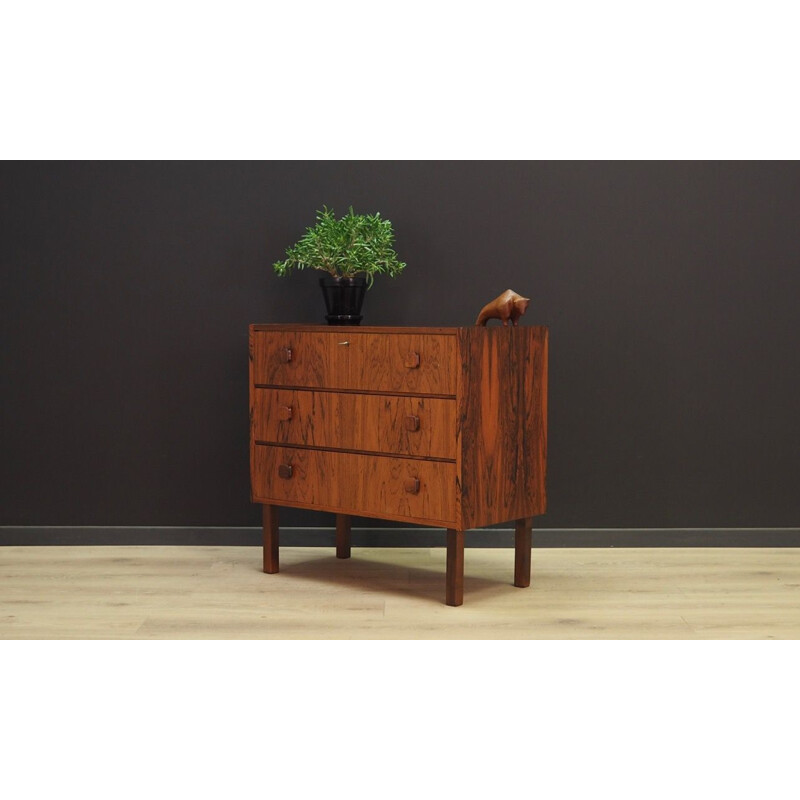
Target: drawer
(414,426)
(380,362)
(351,483)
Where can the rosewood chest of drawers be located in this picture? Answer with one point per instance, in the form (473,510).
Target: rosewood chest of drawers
(432,426)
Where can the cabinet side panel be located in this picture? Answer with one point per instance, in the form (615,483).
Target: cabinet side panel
(542,372)
(502,424)
(531,499)
(251,345)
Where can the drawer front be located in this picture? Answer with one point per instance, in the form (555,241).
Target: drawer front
(414,426)
(351,483)
(379,362)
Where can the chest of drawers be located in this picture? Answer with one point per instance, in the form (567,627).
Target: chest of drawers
(432,426)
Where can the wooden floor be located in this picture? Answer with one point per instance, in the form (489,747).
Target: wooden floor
(397,593)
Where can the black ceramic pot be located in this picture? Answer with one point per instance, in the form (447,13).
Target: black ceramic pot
(343,299)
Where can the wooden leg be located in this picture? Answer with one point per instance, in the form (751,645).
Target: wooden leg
(270,521)
(455,567)
(522,552)
(342,536)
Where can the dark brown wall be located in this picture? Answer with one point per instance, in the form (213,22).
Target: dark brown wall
(670,290)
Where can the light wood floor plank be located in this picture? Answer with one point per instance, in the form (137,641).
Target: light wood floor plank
(397,593)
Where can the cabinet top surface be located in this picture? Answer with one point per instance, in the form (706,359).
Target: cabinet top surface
(375,328)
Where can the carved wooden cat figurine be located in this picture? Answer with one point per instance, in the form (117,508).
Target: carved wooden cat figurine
(508,306)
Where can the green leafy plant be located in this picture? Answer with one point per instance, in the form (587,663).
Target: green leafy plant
(353,245)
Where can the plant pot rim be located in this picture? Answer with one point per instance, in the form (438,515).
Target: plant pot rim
(335,279)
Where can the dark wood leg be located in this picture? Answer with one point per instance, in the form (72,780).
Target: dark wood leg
(270,521)
(342,536)
(455,567)
(522,552)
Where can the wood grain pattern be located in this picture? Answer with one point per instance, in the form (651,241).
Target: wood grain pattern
(351,483)
(428,426)
(356,361)
(252,399)
(502,424)
(363,422)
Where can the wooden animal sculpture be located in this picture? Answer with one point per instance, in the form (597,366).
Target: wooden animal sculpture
(509,306)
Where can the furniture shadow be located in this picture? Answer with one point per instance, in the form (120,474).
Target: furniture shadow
(380,577)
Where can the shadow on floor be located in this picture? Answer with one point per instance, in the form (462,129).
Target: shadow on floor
(378,577)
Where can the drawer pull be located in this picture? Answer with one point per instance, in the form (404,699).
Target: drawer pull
(412,423)
(285,471)
(285,355)
(412,360)
(412,486)
(285,412)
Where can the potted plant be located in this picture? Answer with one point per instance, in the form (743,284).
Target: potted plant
(352,250)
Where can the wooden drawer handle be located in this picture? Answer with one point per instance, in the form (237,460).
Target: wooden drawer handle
(412,360)
(412,486)
(412,423)
(285,471)
(285,412)
(285,355)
